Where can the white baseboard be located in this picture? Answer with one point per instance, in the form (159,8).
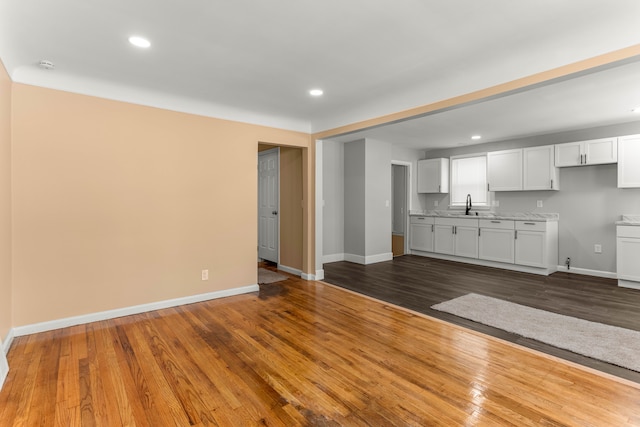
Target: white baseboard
(628,284)
(290,270)
(319,275)
(112,314)
(7,341)
(587,272)
(371,259)
(332,258)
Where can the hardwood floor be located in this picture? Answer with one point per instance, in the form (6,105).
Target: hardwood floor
(297,353)
(418,283)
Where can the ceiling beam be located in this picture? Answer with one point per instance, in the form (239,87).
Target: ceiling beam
(586,66)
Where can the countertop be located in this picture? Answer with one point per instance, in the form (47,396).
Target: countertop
(510,216)
(629,219)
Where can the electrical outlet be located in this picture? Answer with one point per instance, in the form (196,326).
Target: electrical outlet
(539,203)
(597,249)
(205,274)
(386,203)
(496,203)
(435,203)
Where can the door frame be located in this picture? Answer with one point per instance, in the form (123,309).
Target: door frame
(407,200)
(276,150)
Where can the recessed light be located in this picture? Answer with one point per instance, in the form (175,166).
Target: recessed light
(636,110)
(139,41)
(476,137)
(316,92)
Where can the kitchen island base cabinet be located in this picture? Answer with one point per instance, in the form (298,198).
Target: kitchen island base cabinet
(628,256)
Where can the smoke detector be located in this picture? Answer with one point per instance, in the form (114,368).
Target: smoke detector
(46,65)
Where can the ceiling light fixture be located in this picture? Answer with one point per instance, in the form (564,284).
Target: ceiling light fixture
(636,110)
(476,137)
(139,41)
(316,92)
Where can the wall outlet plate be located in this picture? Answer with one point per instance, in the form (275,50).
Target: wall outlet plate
(539,203)
(205,274)
(597,249)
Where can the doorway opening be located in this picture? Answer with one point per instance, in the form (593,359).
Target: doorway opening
(399,202)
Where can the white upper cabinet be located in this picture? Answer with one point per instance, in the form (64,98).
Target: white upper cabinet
(593,152)
(504,170)
(629,161)
(540,172)
(433,176)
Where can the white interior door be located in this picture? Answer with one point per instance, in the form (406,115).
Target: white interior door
(268,204)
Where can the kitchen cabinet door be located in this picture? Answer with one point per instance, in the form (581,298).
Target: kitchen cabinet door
(443,239)
(629,161)
(531,248)
(433,176)
(421,237)
(466,241)
(504,170)
(540,172)
(497,245)
(583,153)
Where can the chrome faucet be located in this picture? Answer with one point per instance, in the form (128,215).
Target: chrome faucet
(468,204)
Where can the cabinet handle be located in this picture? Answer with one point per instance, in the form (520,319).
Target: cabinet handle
(421,217)
(516,234)
(496,222)
(487,186)
(585,159)
(529,223)
(479,232)
(580,158)
(453,229)
(432,228)
(551,184)
(439,190)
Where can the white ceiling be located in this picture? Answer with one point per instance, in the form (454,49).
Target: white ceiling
(254,61)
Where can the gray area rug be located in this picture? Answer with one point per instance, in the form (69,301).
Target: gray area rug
(267,276)
(610,344)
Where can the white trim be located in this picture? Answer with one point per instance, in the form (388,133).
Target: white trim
(332,258)
(587,272)
(7,341)
(628,284)
(319,275)
(4,369)
(290,270)
(306,276)
(319,205)
(111,314)
(370,259)
(485,263)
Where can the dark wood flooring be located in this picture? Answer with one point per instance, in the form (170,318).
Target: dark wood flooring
(417,283)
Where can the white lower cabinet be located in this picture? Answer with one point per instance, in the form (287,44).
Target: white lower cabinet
(421,233)
(456,236)
(628,253)
(536,243)
(530,246)
(496,241)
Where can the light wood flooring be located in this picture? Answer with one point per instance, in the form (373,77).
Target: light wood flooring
(298,353)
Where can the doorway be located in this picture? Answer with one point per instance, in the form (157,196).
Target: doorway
(268,205)
(399,181)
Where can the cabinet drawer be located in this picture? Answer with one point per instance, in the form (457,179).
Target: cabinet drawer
(628,231)
(531,225)
(497,223)
(422,220)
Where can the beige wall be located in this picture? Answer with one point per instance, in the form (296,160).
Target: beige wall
(117,204)
(5,203)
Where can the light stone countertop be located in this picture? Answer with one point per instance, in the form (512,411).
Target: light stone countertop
(511,216)
(629,219)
